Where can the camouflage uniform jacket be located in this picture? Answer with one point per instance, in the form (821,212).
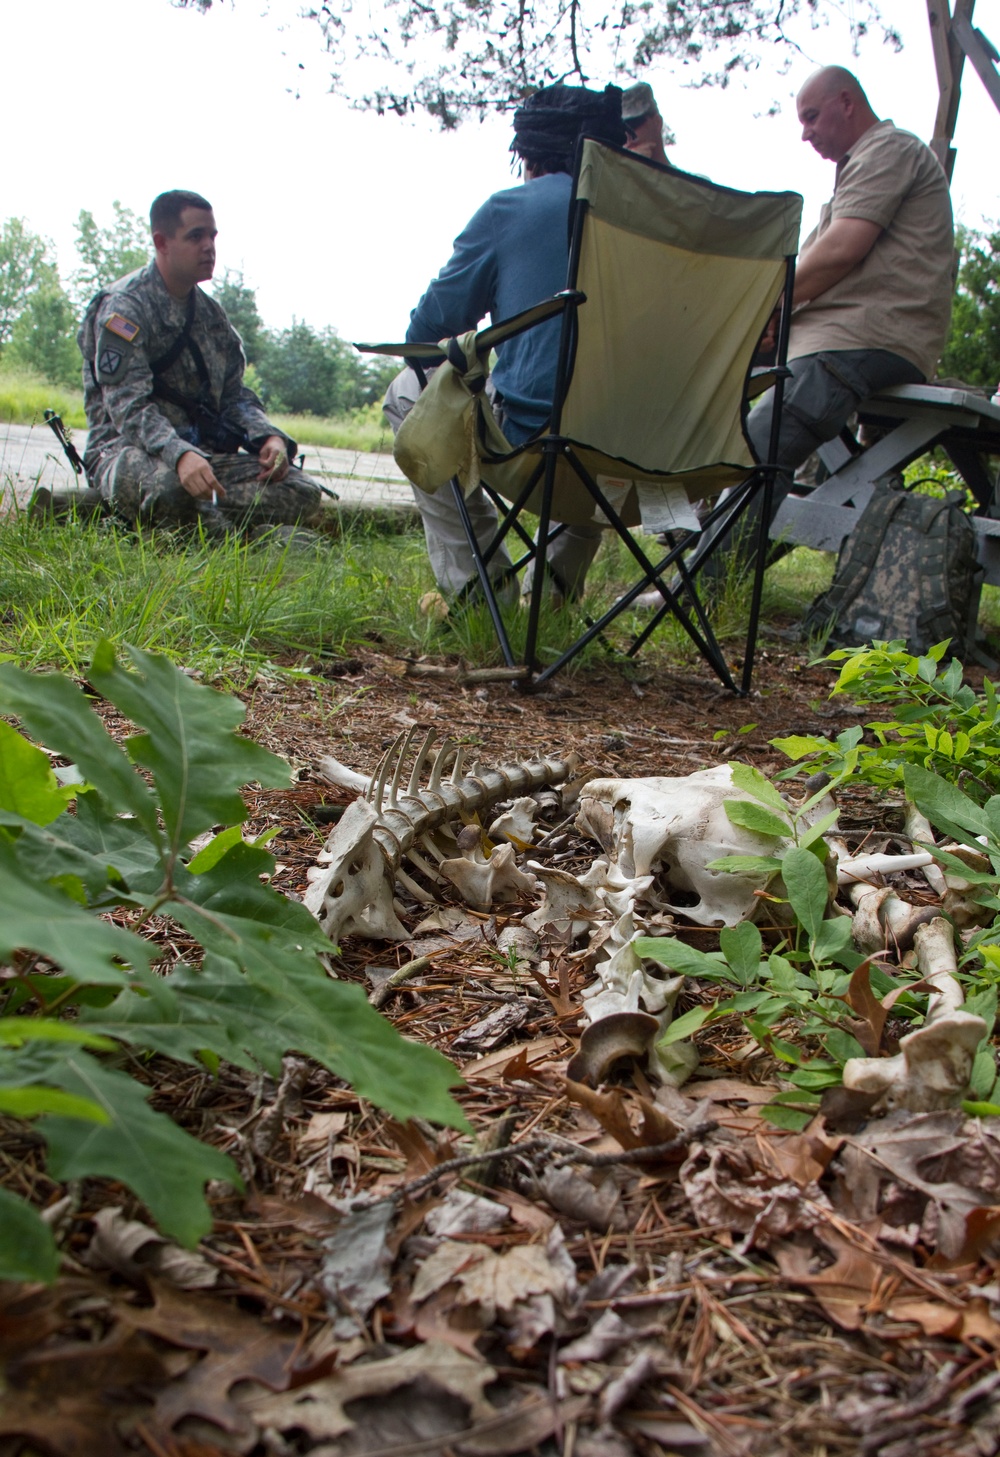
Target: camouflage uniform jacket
(130,327)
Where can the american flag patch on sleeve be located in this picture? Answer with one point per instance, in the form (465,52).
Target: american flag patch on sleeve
(124,328)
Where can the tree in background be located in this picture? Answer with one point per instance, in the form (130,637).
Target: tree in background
(240,303)
(24,266)
(107,254)
(303,370)
(453,58)
(43,339)
(973,349)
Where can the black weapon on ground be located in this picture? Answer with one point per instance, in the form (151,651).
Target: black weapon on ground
(58,429)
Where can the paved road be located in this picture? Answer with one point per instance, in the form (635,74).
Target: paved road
(30,456)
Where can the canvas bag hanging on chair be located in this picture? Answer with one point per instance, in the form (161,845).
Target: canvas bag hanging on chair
(438,439)
(908,570)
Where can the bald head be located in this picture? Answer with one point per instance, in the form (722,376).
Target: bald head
(834,112)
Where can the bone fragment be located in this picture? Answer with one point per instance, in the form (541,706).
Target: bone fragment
(344,778)
(863,867)
(932,1068)
(883,919)
(518,823)
(481,881)
(919,832)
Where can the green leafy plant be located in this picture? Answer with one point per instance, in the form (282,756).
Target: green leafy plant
(81,989)
(937,722)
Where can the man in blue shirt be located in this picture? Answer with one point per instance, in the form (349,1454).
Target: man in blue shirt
(512,254)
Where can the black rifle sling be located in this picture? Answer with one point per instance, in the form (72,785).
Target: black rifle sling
(160,366)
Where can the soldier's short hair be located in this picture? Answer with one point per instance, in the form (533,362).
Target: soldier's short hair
(165,213)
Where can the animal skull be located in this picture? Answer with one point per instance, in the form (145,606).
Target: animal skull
(672,829)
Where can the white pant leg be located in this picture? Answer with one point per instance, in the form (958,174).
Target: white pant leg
(447,545)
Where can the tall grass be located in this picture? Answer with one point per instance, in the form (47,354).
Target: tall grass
(226,609)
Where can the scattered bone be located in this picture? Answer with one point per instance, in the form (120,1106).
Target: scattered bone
(919,832)
(608,1041)
(932,1068)
(344,778)
(482,881)
(516,824)
(884,920)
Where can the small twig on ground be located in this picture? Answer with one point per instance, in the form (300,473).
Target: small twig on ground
(570,1153)
(381,995)
(463,675)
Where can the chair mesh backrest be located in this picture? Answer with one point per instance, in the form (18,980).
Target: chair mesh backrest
(680,277)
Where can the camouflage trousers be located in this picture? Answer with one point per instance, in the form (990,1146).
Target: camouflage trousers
(141,488)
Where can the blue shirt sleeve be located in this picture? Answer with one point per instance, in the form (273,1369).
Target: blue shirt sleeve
(464,292)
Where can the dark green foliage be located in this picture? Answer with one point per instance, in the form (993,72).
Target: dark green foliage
(240,303)
(24,267)
(973,349)
(262,989)
(43,339)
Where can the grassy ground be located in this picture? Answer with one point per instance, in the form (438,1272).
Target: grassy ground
(24,399)
(232,610)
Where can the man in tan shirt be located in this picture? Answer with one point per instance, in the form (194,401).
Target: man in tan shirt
(874,280)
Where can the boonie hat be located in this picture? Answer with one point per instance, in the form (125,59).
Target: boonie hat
(638,101)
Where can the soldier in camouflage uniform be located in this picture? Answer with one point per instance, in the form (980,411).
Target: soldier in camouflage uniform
(166,404)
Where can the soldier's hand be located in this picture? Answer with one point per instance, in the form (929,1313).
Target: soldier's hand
(273,459)
(197,477)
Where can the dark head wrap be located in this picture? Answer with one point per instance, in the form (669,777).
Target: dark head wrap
(547,126)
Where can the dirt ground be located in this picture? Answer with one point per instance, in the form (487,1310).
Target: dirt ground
(733,1297)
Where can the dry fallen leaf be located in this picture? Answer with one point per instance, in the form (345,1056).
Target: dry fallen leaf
(431,1386)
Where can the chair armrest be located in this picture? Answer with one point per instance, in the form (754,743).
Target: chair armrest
(408,351)
(489,338)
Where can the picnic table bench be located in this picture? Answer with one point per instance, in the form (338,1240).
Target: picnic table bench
(914,419)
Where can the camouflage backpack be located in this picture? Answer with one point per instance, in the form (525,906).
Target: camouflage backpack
(908,570)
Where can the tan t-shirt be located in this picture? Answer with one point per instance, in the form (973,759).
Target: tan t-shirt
(899,295)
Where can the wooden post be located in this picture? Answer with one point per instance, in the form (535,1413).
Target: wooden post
(949,59)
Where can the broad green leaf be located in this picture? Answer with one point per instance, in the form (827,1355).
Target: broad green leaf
(807,887)
(39,918)
(28,786)
(794,1119)
(197,760)
(683,1026)
(33,1101)
(981,1110)
(763,865)
(164,1166)
(797,746)
(741,946)
(55,711)
(297,1007)
(27,1248)
(677,955)
(944,804)
(751,781)
(813,1078)
(818,830)
(213,852)
(832,938)
(112,840)
(755,817)
(16,1031)
(779,1047)
(984,1071)
(52,854)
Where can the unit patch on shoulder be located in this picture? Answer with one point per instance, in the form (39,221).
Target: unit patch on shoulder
(108,363)
(124,328)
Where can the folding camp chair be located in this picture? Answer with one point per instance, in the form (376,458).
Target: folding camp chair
(671,282)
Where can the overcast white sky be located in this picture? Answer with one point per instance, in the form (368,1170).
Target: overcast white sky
(342,218)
